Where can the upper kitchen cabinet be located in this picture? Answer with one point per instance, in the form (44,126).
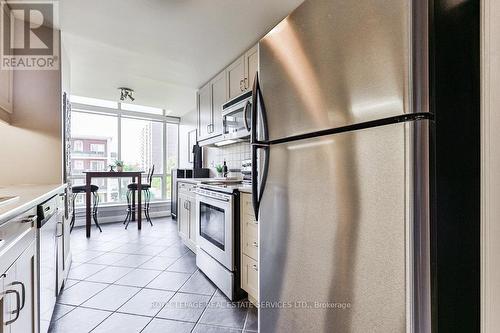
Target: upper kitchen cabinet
(211,97)
(241,73)
(219,97)
(6,81)
(205,111)
(233,81)
(236,77)
(251,67)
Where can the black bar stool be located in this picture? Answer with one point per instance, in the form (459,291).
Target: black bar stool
(79,190)
(147,198)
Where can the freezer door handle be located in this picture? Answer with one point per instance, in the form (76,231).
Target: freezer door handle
(256,101)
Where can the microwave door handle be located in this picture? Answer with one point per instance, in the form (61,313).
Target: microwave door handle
(245,111)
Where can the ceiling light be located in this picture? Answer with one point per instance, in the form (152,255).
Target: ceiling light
(126,93)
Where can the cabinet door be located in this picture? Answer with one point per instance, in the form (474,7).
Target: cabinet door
(236,77)
(6,76)
(26,286)
(192,222)
(183,218)
(205,112)
(250,277)
(219,97)
(7,298)
(251,67)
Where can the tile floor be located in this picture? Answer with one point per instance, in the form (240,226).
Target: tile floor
(142,281)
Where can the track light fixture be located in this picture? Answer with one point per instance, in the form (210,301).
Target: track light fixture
(126,93)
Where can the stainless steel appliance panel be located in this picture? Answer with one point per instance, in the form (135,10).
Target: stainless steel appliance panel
(335,63)
(334,231)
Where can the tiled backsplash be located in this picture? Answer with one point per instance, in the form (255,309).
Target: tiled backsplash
(232,154)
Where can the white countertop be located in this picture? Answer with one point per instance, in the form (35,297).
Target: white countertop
(193,180)
(29,196)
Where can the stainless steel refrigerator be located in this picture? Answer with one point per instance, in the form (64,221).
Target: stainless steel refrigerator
(340,146)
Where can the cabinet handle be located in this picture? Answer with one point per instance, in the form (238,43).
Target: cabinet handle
(57,229)
(255,268)
(17,310)
(29,219)
(242,85)
(246,83)
(245,111)
(23,292)
(255,244)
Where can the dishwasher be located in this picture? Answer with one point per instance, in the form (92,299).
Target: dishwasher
(50,219)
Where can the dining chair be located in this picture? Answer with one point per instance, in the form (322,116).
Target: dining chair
(81,189)
(145,187)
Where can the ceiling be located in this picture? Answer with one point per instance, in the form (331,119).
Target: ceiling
(163,49)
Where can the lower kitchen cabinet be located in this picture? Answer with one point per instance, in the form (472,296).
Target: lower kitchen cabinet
(250,277)
(186,215)
(249,248)
(19,294)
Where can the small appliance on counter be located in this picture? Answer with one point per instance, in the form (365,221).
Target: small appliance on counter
(184,173)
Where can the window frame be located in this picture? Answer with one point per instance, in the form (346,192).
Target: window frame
(119,113)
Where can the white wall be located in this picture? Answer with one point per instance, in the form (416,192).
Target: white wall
(490,167)
(188,123)
(31,147)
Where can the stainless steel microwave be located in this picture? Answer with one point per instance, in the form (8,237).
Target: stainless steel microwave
(236,115)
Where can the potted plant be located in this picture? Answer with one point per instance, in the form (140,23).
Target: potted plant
(219,170)
(119,165)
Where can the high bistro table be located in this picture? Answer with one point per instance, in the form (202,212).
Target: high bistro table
(113,174)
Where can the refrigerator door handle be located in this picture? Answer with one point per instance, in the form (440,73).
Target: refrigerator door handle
(256,191)
(257,144)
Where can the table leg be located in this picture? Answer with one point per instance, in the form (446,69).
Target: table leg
(87,204)
(139,203)
(133,202)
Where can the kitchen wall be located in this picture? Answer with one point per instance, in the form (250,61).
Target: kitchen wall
(31,147)
(187,124)
(232,154)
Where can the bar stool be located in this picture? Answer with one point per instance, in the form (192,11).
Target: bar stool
(79,190)
(147,198)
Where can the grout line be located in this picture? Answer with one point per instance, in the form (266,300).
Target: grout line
(175,242)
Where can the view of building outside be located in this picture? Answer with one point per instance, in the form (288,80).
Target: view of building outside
(143,143)
(142,148)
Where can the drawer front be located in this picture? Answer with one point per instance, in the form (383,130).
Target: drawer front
(186,188)
(247,207)
(250,240)
(250,276)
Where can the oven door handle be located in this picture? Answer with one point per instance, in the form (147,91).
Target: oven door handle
(208,196)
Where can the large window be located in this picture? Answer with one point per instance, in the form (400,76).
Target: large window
(141,141)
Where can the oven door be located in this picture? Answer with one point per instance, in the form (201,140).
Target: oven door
(215,227)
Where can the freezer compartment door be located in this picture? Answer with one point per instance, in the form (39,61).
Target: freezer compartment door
(334,226)
(336,63)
